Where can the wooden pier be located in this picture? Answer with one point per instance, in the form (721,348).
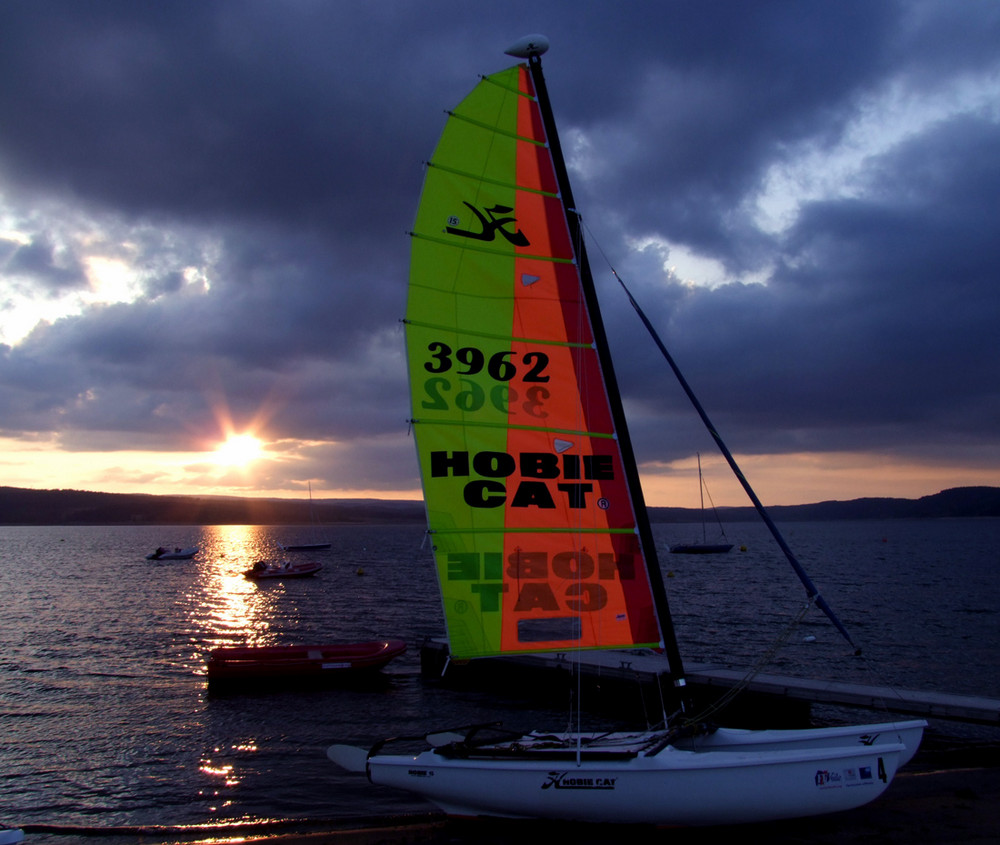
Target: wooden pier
(612,671)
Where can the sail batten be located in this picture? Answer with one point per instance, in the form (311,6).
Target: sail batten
(540,340)
(560,530)
(566,432)
(475,177)
(473,122)
(500,81)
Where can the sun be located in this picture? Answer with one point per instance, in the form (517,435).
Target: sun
(239,449)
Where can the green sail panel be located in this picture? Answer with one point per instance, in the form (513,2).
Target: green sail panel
(527,502)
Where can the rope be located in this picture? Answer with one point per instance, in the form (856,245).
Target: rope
(779,642)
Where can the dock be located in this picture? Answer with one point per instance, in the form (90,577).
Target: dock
(612,671)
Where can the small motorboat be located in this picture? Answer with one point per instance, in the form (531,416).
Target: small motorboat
(264,569)
(303,662)
(178,553)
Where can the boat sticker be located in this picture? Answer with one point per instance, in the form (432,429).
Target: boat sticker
(860,776)
(825,778)
(566,780)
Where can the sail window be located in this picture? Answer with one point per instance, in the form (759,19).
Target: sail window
(549,630)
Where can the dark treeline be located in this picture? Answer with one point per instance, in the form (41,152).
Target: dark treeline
(953,503)
(20,506)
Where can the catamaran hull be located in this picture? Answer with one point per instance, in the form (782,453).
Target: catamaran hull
(674,787)
(907,733)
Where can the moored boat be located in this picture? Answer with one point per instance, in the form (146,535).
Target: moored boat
(704,547)
(265,569)
(312,546)
(178,553)
(305,662)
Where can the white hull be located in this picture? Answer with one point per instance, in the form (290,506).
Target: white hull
(729,777)
(847,736)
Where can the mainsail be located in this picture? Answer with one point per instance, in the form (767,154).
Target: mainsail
(535,523)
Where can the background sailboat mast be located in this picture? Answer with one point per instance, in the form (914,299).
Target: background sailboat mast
(600,338)
(701,493)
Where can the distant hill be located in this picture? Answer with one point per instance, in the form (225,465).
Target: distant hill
(956,502)
(20,506)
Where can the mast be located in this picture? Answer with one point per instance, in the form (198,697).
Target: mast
(701,492)
(531,48)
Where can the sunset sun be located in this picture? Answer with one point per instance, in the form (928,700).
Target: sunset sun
(238,449)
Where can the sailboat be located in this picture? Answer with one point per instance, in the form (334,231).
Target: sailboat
(536,516)
(704,547)
(307,547)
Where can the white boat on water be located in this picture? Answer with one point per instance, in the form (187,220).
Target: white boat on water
(264,570)
(536,516)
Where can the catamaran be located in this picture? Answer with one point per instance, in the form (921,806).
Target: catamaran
(536,515)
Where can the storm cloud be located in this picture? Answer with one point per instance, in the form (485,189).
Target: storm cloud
(204,207)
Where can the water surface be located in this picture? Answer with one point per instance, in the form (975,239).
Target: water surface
(107,719)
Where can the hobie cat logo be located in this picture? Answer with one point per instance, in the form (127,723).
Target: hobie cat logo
(563,780)
(491,225)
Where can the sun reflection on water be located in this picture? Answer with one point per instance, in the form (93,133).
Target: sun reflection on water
(229,609)
(224,771)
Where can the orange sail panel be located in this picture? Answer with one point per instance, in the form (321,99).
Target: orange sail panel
(528,506)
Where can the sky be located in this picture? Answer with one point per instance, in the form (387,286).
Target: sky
(204,208)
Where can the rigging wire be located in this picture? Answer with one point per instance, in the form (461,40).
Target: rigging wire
(779,642)
(811,590)
(715,511)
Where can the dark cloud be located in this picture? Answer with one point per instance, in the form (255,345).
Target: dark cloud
(257,164)
(38,260)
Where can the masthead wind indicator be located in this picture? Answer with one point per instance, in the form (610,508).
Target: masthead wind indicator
(530,45)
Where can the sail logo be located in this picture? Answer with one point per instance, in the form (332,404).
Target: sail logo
(563,780)
(532,571)
(491,226)
(535,469)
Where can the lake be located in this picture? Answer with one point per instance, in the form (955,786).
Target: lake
(107,720)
